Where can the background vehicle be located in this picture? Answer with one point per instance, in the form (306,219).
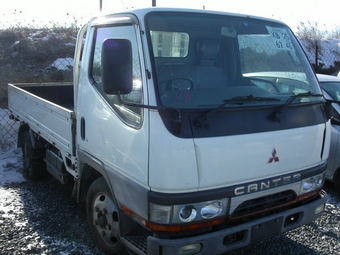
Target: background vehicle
(185,131)
(331,86)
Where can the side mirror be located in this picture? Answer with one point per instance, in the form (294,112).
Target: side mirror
(116,61)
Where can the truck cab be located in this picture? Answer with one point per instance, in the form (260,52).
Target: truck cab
(201,121)
(194,131)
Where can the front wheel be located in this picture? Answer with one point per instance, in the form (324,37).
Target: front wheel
(102,215)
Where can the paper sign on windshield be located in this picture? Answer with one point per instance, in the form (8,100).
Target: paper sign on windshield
(280,38)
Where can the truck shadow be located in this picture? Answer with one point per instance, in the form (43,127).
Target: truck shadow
(58,220)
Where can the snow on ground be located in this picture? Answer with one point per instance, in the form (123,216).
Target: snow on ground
(63,64)
(10,164)
(10,156)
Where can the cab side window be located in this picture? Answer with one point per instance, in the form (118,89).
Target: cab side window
(131,115)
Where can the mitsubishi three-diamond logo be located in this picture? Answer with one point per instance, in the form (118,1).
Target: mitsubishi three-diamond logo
(273,158)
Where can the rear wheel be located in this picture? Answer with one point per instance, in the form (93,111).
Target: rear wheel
(34,165)
(102,215)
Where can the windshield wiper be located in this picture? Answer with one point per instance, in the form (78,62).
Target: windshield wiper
(275,116)
(199,121)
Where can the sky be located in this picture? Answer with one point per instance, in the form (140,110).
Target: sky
(291,12)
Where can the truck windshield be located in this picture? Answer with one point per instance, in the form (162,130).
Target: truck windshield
(202,60)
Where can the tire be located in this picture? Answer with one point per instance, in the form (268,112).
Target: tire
(103,217)
(34,165)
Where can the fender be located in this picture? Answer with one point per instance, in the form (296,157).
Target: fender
(90,169)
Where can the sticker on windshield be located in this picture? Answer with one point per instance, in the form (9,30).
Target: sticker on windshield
(280,38)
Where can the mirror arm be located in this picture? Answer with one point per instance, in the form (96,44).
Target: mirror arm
(177,124)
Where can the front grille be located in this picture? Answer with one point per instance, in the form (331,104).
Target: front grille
(264,203)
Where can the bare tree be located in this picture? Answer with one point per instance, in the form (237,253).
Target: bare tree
(311,35)
(311,31)
(336,33)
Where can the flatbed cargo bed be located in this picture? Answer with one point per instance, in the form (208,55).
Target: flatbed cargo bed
(48,109)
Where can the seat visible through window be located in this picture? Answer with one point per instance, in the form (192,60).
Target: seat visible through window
(205,73)
(208,73)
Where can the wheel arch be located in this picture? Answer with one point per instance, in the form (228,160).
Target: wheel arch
(37,141)
(88,176)
(90,169)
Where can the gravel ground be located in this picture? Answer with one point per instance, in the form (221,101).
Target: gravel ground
(42,218)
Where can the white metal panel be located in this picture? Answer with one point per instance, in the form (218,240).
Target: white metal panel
(109,139)
(231,160)
(179,164)
(173,166)
(50,121)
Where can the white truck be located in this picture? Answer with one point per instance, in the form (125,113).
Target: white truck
(185,131)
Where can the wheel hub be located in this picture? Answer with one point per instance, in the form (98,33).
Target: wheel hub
(103,219)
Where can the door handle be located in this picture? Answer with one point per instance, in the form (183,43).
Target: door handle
(82,128)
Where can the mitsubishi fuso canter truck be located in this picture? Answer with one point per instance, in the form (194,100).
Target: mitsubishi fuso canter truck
(184,131)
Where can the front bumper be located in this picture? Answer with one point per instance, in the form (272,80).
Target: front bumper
(241,235)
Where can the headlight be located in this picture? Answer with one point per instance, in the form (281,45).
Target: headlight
(312,183)
(194,212)
(187,213)
(211,210)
